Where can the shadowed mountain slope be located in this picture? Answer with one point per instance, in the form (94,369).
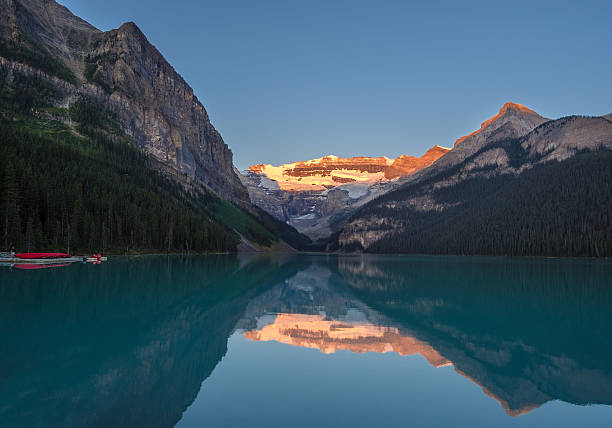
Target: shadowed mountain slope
(496,193)
(130,77)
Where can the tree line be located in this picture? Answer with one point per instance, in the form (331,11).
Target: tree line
(59,192)
(555,209)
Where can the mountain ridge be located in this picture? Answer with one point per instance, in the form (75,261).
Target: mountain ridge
(289,175)
(448,189)
(512,121)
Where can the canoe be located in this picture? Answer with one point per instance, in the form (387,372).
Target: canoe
(47,258)
(15,260)
(28,256)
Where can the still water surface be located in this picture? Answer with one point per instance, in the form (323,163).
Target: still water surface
(356,341)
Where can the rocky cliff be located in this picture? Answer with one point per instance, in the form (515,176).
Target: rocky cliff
(315,196)
(130,77)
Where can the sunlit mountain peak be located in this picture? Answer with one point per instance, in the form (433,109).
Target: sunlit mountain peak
(330,171)
(509,107)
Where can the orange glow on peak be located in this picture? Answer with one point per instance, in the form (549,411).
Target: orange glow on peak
(516,106)
(257,169)
(330,171)
(505,108)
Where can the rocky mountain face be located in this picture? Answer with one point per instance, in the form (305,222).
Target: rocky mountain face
(126,74)
(512,142)
(512,121)
(315,196)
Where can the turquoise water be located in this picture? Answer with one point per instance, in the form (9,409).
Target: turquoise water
(356,341)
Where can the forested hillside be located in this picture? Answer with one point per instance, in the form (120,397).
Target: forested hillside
(554,209)
(93,189)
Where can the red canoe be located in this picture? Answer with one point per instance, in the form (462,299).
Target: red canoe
(42,256)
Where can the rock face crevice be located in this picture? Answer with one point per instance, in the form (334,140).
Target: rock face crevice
(127,74)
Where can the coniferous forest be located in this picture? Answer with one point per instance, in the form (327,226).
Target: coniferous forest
(554,209)
(93,190)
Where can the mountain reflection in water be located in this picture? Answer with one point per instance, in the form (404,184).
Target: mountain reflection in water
(314,331)
(526,331)
(130,342)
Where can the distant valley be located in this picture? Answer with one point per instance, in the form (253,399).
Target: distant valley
(315,196)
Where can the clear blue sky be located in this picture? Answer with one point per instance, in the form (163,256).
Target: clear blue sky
(292,80)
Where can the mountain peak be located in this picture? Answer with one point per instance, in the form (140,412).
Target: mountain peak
(129,24)
(439,148)
(131,28)
(507,109)
(515,107)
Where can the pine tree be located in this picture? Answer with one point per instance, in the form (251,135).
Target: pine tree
(11,225)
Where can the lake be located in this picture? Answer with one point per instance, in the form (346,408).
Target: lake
(303,341)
